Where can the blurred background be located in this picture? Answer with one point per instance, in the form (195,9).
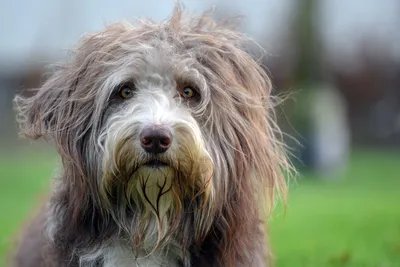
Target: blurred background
(336,61)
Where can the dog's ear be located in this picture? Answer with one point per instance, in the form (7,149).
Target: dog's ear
(38,115)
(55,108)
(260,137)
(252,128)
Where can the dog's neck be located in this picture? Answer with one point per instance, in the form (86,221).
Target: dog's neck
(119,252)
(117,248)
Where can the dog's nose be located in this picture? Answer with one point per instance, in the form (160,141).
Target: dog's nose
(155,139)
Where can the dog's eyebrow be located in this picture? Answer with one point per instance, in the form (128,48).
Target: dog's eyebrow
(125,83)
(112,96)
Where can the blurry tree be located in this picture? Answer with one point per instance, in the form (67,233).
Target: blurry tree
(304,41)
(308,69)
(318,113)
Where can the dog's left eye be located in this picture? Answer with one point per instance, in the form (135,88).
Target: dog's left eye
(126,91)
(188,92)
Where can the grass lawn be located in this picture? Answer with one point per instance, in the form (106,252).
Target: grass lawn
(354,221)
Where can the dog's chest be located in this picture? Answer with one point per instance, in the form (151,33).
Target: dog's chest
(120,255)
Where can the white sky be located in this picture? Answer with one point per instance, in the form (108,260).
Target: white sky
(53,26)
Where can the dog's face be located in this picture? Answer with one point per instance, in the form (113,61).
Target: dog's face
(152,138)
(160,119)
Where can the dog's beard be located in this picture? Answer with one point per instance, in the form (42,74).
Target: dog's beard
(152,186)
(163,186)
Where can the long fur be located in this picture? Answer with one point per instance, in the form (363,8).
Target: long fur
(227,160)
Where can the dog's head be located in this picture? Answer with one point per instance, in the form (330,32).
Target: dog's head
(161,118)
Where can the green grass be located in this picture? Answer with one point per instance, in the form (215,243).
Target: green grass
(24,179)
(353,221)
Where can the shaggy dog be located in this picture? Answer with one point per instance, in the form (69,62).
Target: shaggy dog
(168,145)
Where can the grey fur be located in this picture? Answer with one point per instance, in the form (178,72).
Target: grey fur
(225,162)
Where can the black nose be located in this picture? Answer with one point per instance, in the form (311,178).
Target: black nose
(155,139)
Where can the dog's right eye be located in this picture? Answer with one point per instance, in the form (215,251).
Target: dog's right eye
(126,91)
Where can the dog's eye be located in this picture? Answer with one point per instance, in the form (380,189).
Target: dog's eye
(188,92)
(126,91)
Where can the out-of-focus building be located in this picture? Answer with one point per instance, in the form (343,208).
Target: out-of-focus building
(357,47)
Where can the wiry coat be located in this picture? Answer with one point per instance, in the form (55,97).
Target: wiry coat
(229,158)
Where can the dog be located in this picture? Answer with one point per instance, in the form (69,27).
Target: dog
(170,152)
